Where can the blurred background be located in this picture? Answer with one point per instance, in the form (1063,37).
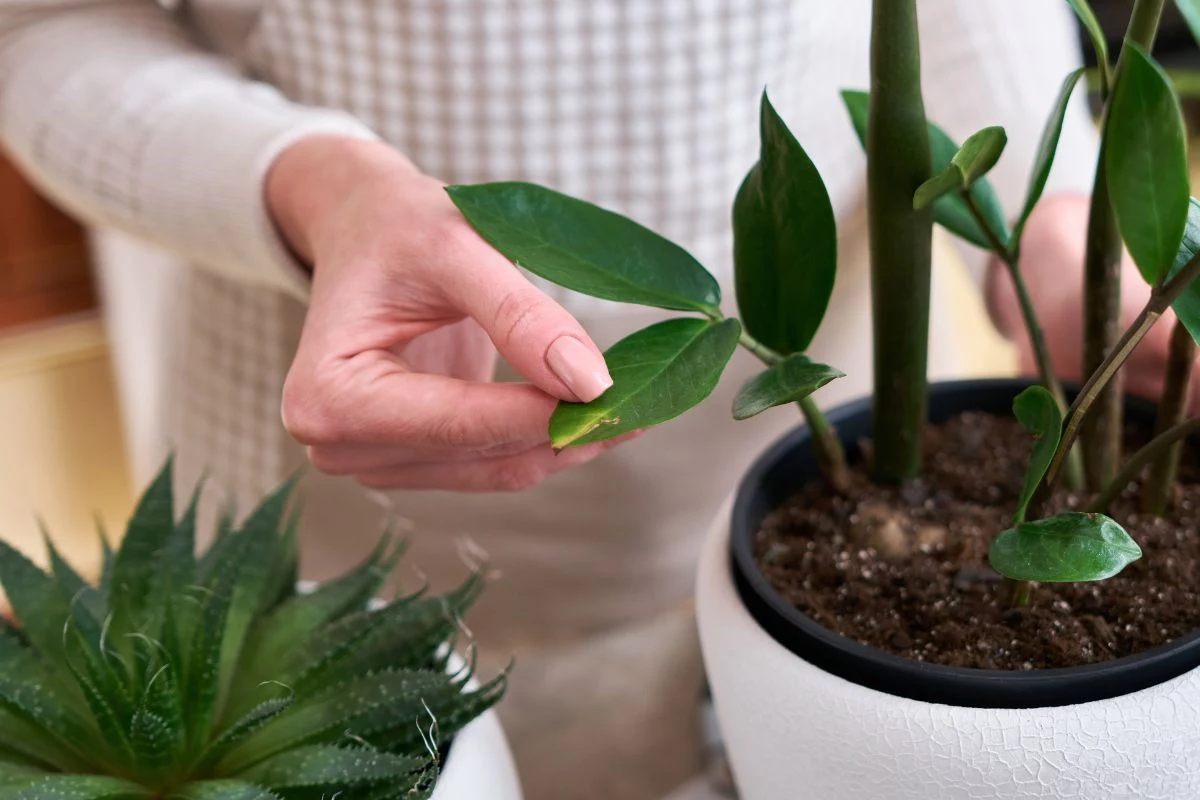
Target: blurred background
(64,461)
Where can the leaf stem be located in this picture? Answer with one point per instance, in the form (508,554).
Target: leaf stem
(1172,410)
(1037,336)
(831,456)
(1160,300)
(1101,441)
(898,161)
(1015,594)
(1150,451)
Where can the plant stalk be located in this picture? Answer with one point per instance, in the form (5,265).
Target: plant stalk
(1015,594)
(898,161)
(1172,410)
(1153,449)
(1101,436)
(1160,300)
(831,456)
(1037,337)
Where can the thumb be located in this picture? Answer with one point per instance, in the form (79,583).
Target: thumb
(532,332)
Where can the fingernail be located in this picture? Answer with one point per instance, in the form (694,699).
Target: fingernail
(583,371)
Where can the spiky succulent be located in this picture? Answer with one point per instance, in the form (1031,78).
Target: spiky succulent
(213,678)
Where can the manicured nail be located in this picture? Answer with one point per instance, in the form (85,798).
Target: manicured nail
(583,371)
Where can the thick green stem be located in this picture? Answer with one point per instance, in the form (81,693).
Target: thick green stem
(1015,594)
(1172,410)
(1161,298)
(1037,337)
(1154,449)
(898,161)
(831,456)
(1101,435)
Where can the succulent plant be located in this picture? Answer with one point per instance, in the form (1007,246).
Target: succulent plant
(215,678)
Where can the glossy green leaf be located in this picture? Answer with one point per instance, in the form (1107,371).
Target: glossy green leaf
(1187,305)
(1066,548)
(1046,150)
(1037,411)
(948,180)
(791,380)
(950,210)
(586,248)
(784,242)
(1146,162)
(658,373)
(1096,33)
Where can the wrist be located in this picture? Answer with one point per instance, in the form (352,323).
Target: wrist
(312,177)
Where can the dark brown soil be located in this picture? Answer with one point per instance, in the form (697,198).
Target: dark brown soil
(905,568)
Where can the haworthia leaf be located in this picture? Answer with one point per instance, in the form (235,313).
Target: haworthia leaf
(336,768)
(254,719)
(586,248)
(789,381)
(43,709)
(1099,41)
(1187,305)
(224,790)
(978,154)
(1037,411)
(784,242)
(1046,150)
(336,710)
(950,210)
(1146,163)
(658,373)
(35,599)
(1065,548)
(82,787)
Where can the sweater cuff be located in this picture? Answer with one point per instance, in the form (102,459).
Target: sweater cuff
(220,178)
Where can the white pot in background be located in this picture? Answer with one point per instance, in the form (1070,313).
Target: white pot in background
(479,765)
(794,731)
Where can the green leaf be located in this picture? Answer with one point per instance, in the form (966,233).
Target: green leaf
(36,600)
(1190,11)
(791,380)
(586,248)
(1046,150)
(1066,548)
(82,787)
(327,716)
(950,210)
(337,768)
(1146,162)
(784,242)
(1099,41)
(1037,411)
(44,709)
(658,373)
(254,719)
(1187,305)
(978,154)
(224,790)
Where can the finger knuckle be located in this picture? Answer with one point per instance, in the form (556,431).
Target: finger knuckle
(307,414)
(518,477)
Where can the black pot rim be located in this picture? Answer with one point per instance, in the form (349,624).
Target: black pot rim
(902,677)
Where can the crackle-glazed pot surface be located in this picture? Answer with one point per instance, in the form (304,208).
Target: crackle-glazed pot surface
(795,731)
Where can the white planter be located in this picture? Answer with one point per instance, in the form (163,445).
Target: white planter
(796,732)
(479,765)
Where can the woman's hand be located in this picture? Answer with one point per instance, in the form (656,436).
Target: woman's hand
(391,381)
(1052,255)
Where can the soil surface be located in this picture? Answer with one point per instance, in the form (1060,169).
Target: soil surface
(905,568)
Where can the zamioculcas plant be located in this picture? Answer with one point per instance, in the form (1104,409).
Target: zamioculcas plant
(212,678)
(785,258)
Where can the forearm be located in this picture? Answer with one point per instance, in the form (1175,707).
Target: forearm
(111,109)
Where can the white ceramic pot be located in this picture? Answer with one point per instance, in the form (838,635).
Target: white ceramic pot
(794,731)
(479,765)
